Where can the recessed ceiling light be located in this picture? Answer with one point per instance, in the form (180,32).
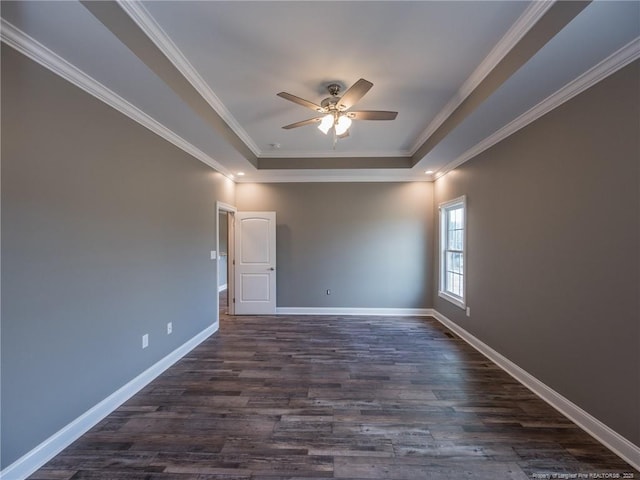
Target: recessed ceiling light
(240,174)
(429,172)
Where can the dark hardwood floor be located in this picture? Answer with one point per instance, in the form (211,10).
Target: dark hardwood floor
(336,397)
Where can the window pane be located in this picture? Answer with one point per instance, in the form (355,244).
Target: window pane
(454,262)
(451,245)
(449,286)
(456,217)
(456,284)
(453,224)
(457,240)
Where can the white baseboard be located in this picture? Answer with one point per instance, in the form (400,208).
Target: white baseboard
(36,458)
(396,312)
(594,427)
(222,288)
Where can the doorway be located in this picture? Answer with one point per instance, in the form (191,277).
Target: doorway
(245,285)
(225,272)
(223,263)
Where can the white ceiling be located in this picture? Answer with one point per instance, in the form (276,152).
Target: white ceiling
(247,52)
(423,57)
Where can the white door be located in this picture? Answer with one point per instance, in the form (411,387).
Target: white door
(255,263)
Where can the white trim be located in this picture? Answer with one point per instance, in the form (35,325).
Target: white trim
(534,12)
(337,176)
(222,288)
(141,16)
(387,312)
(450,298)
(225,207)
(597,73)
(28,46)
(336,154)
(37,457)
(454,201)
(594,427)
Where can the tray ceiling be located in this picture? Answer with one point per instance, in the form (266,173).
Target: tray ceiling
(461,75)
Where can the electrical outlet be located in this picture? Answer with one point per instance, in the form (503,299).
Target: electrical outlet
(169,328)
(145,340)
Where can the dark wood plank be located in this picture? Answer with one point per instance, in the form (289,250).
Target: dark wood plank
(332,397)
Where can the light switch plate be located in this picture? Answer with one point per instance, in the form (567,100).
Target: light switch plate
(213,255)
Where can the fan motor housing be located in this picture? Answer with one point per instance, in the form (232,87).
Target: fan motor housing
(334,89)
(330,103)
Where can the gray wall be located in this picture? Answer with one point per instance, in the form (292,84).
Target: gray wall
(369,243)
(553,249)
(106,233)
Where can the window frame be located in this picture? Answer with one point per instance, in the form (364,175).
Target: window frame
(443,209)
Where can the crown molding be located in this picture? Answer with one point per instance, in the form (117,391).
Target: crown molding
(333,154)
(145,21)
(335,176)
(31,48)
(608,66)
(534,12)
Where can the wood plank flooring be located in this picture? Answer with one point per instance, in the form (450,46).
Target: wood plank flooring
(271,398)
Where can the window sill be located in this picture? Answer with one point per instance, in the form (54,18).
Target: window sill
(455,300)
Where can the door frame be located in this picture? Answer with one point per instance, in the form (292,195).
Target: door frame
(231,211)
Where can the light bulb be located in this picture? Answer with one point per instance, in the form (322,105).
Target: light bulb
(326,123)
(343,125)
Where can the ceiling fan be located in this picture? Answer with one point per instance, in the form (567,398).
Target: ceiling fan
(334,110)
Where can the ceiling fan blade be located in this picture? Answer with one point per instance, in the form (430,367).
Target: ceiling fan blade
(373,115)
(355,93)
(302,123)
(301,101)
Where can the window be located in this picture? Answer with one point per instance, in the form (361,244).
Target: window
(452,250)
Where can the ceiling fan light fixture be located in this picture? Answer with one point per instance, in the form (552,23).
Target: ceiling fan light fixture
(326,123)
(335,109)
(343,125)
